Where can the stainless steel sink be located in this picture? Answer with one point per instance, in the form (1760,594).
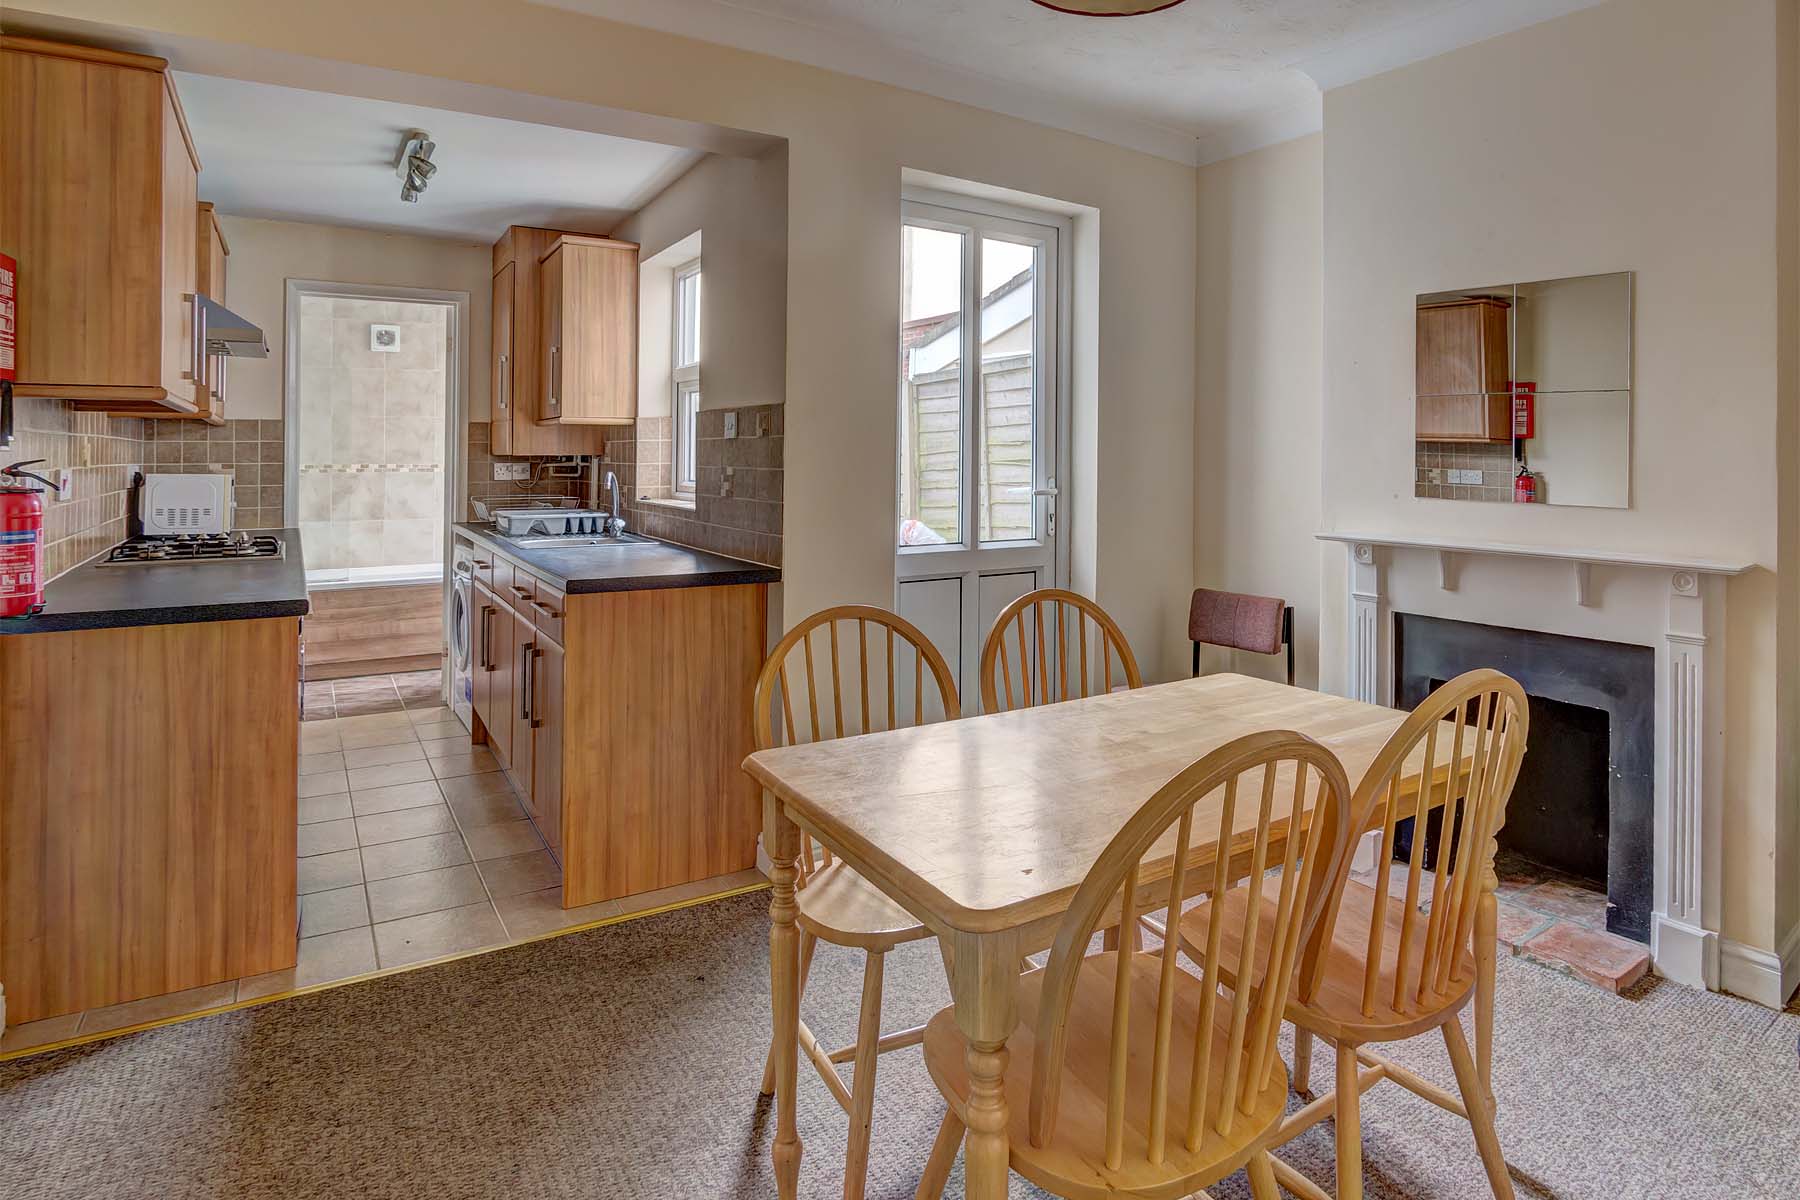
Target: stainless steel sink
(572,540)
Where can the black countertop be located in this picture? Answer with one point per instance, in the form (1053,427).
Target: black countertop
(110,597)
(632,567)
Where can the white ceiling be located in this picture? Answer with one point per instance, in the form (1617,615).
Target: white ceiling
(281,152)
(1195,82)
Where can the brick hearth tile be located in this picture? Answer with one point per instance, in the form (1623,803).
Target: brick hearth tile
(1577,902)
(1600,958)
(1518,925)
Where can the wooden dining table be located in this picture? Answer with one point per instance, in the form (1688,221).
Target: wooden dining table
(983,828)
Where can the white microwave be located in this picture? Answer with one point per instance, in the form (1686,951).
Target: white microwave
(177,504)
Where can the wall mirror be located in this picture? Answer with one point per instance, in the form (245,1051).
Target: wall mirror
(1523,393)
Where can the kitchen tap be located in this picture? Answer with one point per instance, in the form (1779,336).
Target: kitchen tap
(615,524)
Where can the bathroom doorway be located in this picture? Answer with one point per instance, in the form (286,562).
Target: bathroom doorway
(374,404)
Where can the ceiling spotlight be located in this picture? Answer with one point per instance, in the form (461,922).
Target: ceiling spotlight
(414,165)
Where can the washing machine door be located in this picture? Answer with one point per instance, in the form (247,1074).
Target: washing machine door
(460,638)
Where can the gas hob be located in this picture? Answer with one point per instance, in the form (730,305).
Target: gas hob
(195,548)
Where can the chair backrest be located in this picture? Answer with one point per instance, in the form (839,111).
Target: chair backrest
(1237,620)
(821,682)
(1062,645)
(1472,733)
(1287,782)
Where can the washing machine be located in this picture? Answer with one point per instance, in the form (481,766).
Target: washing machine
(462,636)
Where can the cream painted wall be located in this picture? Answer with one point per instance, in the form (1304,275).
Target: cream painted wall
(1259,303)
(266,254)
(739,206)
(848,143)
(1639,135)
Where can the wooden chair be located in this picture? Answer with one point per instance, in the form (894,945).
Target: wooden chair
(1128,1075)
(1392,966)
(1058,620)
(836,904)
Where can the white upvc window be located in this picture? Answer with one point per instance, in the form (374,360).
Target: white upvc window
(685,371)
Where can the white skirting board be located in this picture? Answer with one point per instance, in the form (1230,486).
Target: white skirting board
(1760,975)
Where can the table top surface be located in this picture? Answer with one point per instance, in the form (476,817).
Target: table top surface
(992,821)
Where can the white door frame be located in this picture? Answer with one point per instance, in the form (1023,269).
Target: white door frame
(969,562)
(456,400)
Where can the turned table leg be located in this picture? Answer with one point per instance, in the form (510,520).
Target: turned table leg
(782,838)
(985,982)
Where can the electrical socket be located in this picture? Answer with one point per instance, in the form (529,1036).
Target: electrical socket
(731,424)
(506,470)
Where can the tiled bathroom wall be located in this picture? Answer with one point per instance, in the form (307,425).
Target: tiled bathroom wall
(371,450)
(99,451)
(738,484)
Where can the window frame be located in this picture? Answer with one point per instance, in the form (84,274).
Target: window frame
(684,398)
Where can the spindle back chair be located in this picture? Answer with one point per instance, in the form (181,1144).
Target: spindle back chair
(1060,645)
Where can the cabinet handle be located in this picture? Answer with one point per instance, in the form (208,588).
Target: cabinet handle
(525,680)
(553,392)
(536,719)
(480,564)
(196,338)
(545,609)
(520,592)
(505,383)
(487,611)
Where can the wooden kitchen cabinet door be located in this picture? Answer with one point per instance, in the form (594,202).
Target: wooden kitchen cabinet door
(547,747)
(588,301)
(493,671)
(1463,369)
(502,359)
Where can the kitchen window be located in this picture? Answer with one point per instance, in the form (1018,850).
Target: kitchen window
(685,371)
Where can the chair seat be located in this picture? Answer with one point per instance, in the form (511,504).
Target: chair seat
(841,907)
(1336,1009)
(1074,1162)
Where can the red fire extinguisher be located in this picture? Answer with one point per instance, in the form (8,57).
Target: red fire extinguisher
(21,540)
(1524,486)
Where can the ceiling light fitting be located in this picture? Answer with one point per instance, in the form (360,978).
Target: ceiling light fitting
(414,165)
(1107,8)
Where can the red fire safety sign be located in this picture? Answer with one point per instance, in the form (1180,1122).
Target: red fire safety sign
(9,318)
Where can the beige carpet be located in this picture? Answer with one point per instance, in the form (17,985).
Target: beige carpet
(623,1062)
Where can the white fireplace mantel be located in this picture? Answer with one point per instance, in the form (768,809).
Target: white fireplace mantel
(1673,603)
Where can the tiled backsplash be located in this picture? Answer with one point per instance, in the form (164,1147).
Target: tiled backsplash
(738,514)
(1433,462)
(483,485)
(99,451)
(251,451)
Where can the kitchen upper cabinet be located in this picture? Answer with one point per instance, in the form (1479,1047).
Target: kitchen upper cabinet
(589,294)
(517,335)
(209,394)
(97,203)
(1463,373)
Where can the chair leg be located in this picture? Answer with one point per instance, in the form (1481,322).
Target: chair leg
(808,943)
(1481,1116)
(862,1094)
(1349,1125)
(1262,1177)
(943,1157)
(1303,1048)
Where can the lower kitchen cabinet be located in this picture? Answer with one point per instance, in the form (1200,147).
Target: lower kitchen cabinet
(623,719)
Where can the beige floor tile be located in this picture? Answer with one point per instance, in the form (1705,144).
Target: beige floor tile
(645,901)
(434,935)
(327,837)
(39,1033)
(452,766)
(319,737)
(157,1008)
(368,721)
(465,787)
(429,714)
(392,773)
(503,840)
(433,730)
(414,854)
(334,807)
(448,747)
(323,872)
(322,959)
(382,735)
(403,823)
(328,912)
(400,795)
(517,874)
(531,913)
(314,764)
(377,756)
(323,784)
(426,891)
(473,812)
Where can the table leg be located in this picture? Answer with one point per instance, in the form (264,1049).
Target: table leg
(985,983)
(782,838)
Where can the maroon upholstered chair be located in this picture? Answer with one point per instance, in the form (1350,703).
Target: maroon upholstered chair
(1259,624)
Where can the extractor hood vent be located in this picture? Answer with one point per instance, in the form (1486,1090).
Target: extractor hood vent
(229,334)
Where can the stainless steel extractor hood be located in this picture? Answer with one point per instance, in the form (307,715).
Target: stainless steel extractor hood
(229,334)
